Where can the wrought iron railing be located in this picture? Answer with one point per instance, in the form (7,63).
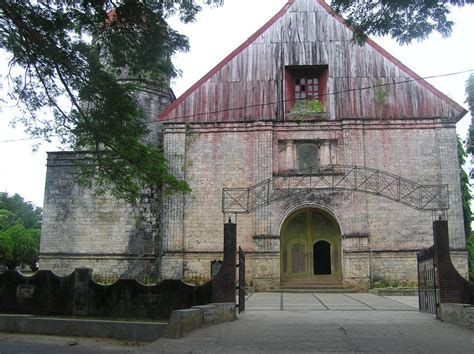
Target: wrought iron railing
(336,177)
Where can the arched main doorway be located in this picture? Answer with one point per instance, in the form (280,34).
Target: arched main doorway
(310,248)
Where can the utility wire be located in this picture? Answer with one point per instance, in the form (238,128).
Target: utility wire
(283,101)
(322,95)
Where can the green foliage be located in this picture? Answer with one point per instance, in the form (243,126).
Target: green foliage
(402,20)
(25,247)
(387,283)
(14,210)
(148,280)
(470,150)
(380,96)
(470,102)
(20,224)
(465,191)
(7,219)
(308,106)
(470,250)
(6,248)
(98,58)
(105,278)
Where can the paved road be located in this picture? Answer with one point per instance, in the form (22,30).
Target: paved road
(291,323)
(312,323)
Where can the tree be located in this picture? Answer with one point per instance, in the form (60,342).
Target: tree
(25,248)
(470,152)
(465,192)
(6,248)
(470,103)
(14,210)
(20,224)
(404,20)
(97,55)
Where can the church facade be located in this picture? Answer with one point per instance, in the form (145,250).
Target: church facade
(297,98)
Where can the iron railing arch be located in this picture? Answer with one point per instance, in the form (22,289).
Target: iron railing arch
(336,177)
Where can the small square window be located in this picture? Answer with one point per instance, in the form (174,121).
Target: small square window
(305,83)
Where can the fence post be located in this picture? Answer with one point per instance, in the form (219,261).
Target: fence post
(452,287)
(223,284)
(82,277)
(241,280)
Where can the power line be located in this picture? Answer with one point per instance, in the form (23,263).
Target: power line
(24,139)
(322,95)
(283,101)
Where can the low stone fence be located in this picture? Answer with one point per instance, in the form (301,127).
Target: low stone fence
(460,314)
(184,321)
(46,293)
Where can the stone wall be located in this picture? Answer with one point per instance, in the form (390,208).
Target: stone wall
(81,229)
(46,293)
(211,156)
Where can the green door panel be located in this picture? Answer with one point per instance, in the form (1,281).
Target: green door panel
(299,234)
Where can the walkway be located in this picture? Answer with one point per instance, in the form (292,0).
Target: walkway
(316,323)
(328,302)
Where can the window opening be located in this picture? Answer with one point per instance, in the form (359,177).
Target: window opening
(305,83)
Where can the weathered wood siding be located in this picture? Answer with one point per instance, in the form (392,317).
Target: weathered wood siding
(248,84)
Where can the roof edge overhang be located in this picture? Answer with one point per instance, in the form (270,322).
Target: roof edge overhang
(401,66)
(226,60)
(461,110)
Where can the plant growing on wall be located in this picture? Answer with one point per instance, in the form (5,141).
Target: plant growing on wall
(303,107)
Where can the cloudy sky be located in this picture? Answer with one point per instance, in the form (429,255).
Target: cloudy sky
(215,34)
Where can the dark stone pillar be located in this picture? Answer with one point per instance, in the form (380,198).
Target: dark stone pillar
(82,277)
(453,288)
(223,284)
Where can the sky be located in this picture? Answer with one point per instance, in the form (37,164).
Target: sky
(215,33)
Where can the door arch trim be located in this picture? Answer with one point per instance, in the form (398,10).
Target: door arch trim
(297,206)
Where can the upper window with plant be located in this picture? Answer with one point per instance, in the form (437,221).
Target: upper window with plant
(306,88)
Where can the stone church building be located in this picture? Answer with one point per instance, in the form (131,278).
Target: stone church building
(330,157)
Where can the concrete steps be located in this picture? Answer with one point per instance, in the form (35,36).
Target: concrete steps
(305,287)
(319,290)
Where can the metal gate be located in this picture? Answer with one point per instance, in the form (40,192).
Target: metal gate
(241,287)
(428,291)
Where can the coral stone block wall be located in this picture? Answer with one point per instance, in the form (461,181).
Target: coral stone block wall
(380,237)
(81,229)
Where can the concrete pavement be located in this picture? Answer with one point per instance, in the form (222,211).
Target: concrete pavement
(309,323)
(290,323)
(328,302)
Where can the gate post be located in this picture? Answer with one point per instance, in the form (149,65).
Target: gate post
(223,284)
(452,287)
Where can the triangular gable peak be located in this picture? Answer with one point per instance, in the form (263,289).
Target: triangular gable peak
(305,39)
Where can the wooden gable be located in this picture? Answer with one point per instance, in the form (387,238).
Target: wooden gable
(361,82)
